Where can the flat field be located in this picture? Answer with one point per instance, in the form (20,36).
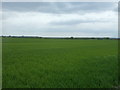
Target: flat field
(59,63)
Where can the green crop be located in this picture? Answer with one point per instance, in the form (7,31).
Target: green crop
(59,63)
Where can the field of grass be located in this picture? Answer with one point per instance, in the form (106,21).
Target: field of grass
(59,63)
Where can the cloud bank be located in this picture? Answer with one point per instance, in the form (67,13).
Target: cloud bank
(60,19)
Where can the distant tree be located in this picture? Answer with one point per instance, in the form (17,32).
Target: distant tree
(106,38)
(71,37)
(22,35)
(92,38)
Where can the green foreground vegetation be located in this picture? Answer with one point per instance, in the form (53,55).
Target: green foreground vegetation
(59,63)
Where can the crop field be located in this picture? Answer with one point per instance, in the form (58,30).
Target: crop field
(59,63)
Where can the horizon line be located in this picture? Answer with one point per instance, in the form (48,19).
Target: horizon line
(57,36)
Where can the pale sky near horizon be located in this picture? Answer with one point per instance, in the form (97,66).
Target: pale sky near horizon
(77,19)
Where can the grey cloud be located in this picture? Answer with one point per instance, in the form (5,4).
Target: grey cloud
(60,7)
(75,22)
(57,27)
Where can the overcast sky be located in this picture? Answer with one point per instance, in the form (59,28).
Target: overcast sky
(78,19)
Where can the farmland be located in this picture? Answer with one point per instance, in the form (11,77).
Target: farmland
(59,63)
